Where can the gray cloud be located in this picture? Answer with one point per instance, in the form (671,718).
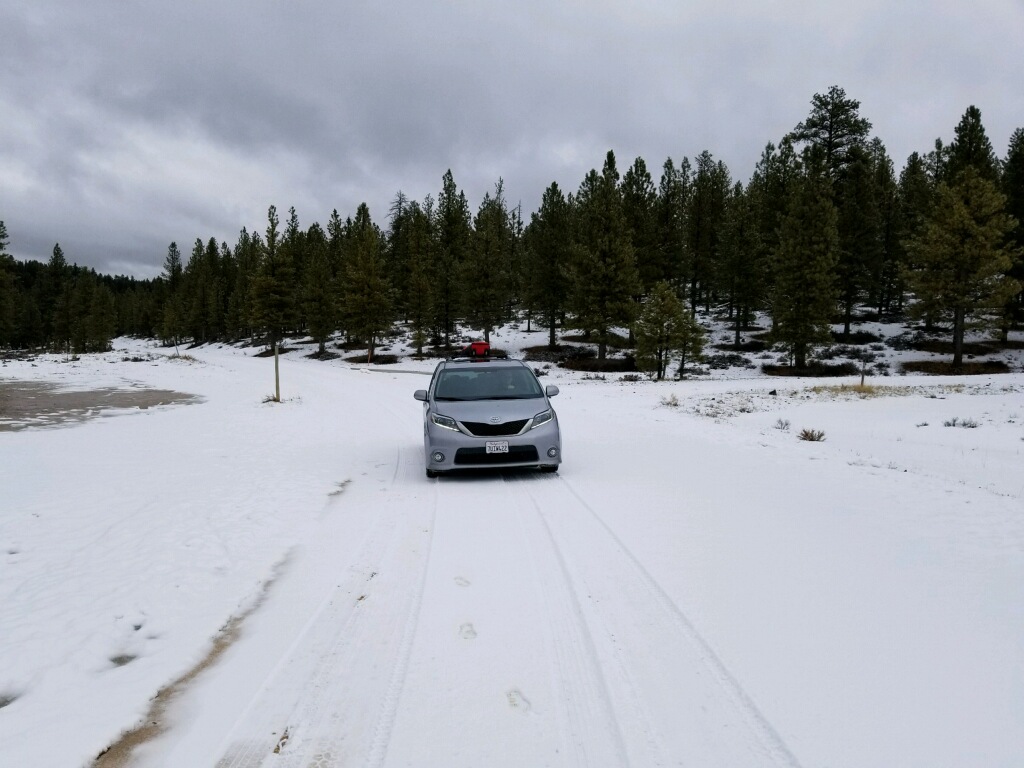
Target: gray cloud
(126,125)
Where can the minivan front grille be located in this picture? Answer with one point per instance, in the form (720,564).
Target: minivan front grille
(480,429)
(479,456)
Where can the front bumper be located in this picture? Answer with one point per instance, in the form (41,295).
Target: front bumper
(447,450)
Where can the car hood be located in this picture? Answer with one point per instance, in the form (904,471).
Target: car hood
(483,410)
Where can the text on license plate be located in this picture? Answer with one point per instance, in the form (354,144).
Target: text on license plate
(497,446)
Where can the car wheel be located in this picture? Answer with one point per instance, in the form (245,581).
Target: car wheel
(432,473)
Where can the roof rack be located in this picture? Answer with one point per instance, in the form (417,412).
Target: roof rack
(478,351)
(488,358)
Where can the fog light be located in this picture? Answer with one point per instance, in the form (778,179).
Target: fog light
(552,452)
(437,457)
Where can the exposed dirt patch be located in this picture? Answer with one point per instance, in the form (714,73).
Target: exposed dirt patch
(119,754)
(25,404)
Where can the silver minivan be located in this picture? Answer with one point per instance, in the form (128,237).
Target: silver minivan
(488,412)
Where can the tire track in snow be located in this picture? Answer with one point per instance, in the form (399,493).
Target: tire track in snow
(358,641)
(676,700)
(590,733)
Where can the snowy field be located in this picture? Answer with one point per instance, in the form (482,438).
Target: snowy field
(243,583)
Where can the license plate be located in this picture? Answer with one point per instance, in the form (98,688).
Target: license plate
(497,446)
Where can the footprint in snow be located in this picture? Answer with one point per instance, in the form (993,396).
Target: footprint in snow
(516,700)
(461,581)
(467,632)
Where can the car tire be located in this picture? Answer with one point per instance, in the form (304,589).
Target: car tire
(432,473)
(549,468)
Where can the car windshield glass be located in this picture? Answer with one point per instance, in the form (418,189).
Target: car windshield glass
(505,383)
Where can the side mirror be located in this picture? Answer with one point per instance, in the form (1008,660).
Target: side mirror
(420,394)
(550,390)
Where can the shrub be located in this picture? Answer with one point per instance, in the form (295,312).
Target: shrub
(856,337)
(728,360)
(815,369)
(561,353)
(747,345)
(958,422)
(945,367)
(812,435)
(782,425)
(670,400)
(609,365)
(377,359)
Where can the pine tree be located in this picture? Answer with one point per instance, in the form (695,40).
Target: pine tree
(295,253)
(639,201)
(273,293)
(914,200)
(422,250)
(663,329)
(705,219)
(971,148)
(173,316)
(548,241)
(1013,188)
(101,319)
(485,273)
(743,265)
(860,231)
(198,286)
(320,293)
(771,188)
(834,127)
(961,255)
(453,229)
(670,221)
(369,306)
(59,278)
(603,275)
(247,255)
(396,249)
(884,288)
(8,293)
(805,264)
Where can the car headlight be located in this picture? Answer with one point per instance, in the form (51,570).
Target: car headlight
(542,418)
(444,421)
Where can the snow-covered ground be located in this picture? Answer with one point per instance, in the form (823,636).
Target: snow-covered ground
(696,586)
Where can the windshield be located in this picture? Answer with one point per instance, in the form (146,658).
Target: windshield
(505,383)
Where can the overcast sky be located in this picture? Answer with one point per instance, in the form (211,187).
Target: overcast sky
(126,124)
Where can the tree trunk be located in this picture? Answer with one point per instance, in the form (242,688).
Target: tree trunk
(800,356)
(958,337)
(277,373)
(552,339)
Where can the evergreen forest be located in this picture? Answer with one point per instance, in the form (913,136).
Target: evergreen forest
(824,231)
